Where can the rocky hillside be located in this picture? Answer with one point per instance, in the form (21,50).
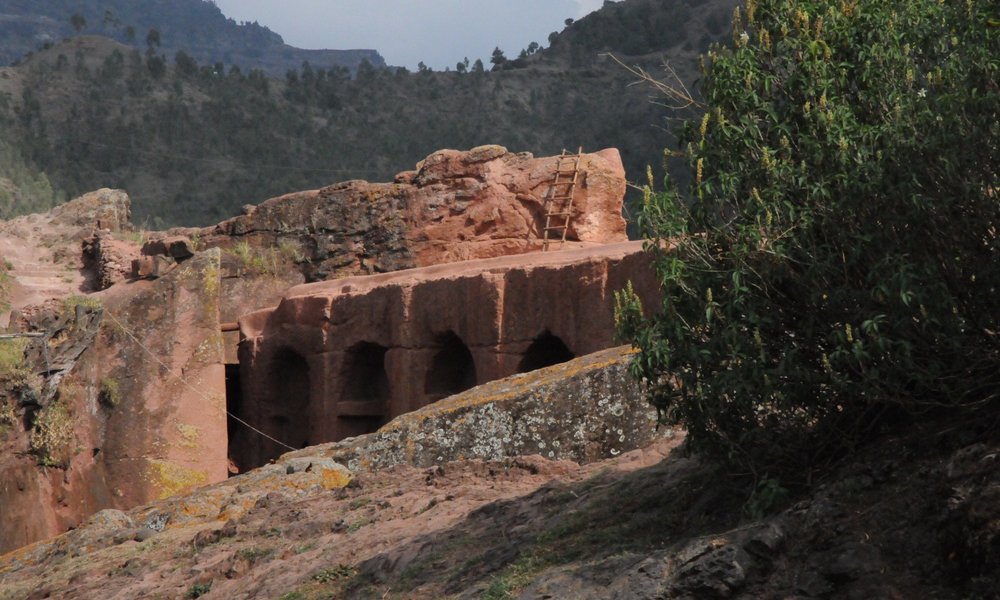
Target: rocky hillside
(195,26)
(911,517)
(192,143)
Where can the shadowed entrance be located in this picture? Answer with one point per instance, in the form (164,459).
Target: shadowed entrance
(452,369)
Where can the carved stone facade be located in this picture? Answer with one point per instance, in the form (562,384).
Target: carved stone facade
(341,358)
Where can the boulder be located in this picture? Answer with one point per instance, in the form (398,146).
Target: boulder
(583,410)
(102,209)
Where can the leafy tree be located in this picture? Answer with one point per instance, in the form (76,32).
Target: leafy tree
(110,19)
(153,39)
(78,22)
(836,261)
(157,65)
(498,59)
(185,64)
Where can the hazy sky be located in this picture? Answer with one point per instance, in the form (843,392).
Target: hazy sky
(437,32)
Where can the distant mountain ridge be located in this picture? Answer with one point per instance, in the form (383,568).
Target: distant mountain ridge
(196,26)
(193,143)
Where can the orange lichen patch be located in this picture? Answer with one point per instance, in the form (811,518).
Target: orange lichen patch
(237,508)
(332,479)
(172,479)
(205,505)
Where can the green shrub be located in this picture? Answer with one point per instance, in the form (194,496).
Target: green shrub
(11,357)
(836,259)
(70,303)
(8,414)
(337,573)
(51,439)
(255,554)
(198,590)
(110,394)
(257,261)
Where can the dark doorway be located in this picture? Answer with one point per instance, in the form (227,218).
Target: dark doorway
(364,397)
(289,408)
(452,369)
(545,351)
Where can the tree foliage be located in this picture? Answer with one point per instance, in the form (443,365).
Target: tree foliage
(836,259)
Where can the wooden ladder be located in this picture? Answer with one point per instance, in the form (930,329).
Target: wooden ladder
(559,202)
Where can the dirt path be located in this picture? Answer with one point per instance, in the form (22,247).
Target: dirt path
(42,260)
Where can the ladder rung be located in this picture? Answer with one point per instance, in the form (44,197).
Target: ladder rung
(556,227)
(563,212)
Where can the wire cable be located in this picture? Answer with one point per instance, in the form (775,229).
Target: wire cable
(189,385)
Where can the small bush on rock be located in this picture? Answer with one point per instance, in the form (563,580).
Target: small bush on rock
(51,439)
(110,394)
(836,260)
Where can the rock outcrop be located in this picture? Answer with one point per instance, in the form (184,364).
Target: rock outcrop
(584,410)
(341,358)
(101,209)
(135,392)
(588,409)
(125,396)
(456,206)
(41,254)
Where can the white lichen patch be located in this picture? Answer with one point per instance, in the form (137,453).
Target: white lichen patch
(583,410)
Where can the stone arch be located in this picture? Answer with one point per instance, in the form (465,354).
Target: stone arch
(291,403)
(365,391)
(546,350)
(452,370)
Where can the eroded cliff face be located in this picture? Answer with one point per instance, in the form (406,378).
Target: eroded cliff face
(123,397)
(584,411)
(456,206)
(120,402)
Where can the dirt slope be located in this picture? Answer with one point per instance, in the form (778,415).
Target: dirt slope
(42,258)
(913,517)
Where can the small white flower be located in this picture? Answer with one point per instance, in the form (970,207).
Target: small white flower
(922,93)
(744,37)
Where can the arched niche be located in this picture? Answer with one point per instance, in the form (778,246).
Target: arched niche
(546,350)
(365,392)
(290,394)
(452,369)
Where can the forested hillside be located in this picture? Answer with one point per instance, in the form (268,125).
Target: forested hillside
(194,142)
(196,26)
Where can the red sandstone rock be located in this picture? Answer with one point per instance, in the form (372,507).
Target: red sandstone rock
(456,206)
(102,209)
(340,358)
(137,432)
(347,357)
(110,260)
